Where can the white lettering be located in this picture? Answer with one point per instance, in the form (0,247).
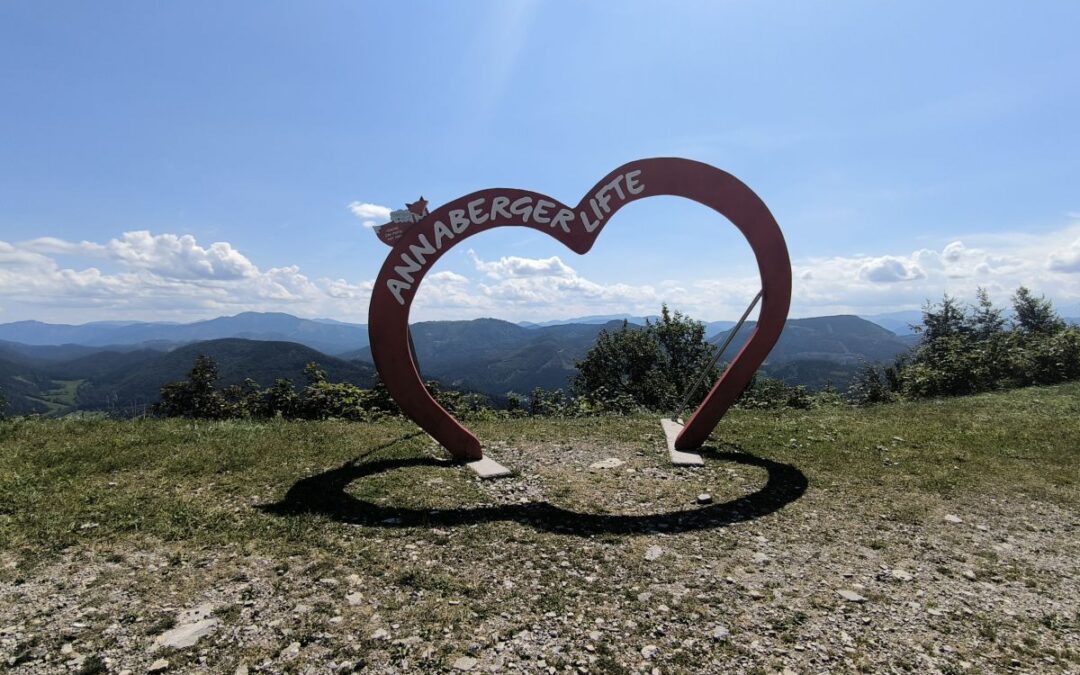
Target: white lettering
(540,212)
(396,287)
(595,209)
(522,207)
(562,219)
(589,227)
(618,188)
(498,208)
(458,221)
(406,272)
(419,252)
(632,183)
(441,232)
(475,213)
(603,199)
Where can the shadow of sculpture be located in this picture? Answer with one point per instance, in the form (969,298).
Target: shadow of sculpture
(325,494)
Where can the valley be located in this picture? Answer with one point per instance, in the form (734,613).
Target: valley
(119,368)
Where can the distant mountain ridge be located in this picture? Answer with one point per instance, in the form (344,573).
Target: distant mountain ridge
(842,339)
(494,357)
(130,380)
(326,335)
(900,323)
(490,356)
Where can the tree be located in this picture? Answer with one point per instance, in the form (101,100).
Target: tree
(685,349)
(651,366)
(243,400)
(986,319)
(195,396)
(944,320)
(965,350)
(280,399)
(1035,315)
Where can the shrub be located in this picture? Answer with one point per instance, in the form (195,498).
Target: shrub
(196,396)
(650,367)
(765,392)
(970,350)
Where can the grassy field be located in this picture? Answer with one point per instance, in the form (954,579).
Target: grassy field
(951,526)
(60,399)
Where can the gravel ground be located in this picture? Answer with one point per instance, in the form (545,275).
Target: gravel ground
(571,567)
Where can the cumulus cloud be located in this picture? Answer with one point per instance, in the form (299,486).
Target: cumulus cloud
(370,214)
(889,269)
(1000,263)
(448,277)
(516,286)
(343,290)
(54,245)
(953,251)
(140,274)
(19,257)
(1066,260)
(513,267)
(180,257)
(154,275)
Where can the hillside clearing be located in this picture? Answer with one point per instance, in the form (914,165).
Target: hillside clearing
(938,536)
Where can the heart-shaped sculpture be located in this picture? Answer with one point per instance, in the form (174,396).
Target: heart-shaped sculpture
(420,245)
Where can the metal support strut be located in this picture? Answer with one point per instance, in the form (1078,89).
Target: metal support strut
(716,357)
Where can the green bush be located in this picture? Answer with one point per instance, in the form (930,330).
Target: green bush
(966,350)
(196,396)
(650,367)
(319,399)
(765,392)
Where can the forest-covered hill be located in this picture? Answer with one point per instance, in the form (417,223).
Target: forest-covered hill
(488,356)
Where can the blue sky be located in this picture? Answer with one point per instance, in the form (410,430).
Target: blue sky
(179,161)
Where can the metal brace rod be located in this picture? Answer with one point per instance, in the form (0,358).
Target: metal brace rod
(716,357)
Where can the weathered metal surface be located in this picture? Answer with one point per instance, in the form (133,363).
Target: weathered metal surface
(577,227)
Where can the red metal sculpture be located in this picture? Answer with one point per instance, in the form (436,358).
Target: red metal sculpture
(420,238)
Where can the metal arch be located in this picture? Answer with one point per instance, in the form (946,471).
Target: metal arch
(419,248)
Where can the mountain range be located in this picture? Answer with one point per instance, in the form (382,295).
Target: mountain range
(325,335)
(120,366)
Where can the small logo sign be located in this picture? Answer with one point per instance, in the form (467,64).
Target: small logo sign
(400,221)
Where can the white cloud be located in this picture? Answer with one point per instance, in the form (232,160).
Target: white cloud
(1046,262)
(341,289)
(1065,260)
(158,275)
(516,287)
(140,275)
(448,277)
(19,257)
(180,257)
(509,267)
(54,245)
(953,251)
(370,214)
(889,269)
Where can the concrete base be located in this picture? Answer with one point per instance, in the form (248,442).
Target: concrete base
(486,467)
(678,457)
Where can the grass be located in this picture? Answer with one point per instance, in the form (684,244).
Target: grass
(61,398)
(139,519)
(77,480)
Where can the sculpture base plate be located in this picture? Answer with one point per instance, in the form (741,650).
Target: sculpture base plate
(678,457)
(487,468)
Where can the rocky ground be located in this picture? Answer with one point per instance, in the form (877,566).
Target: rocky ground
(597,557)
(814,587)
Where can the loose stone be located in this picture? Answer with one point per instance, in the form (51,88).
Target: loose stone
(851,596)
